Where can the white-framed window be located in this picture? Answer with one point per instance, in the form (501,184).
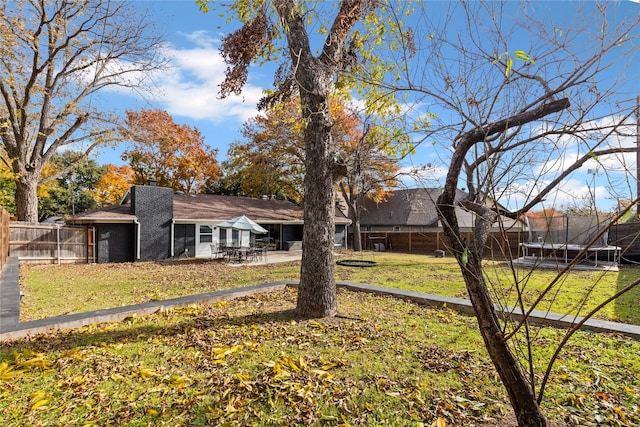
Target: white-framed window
(396,228)
(206,234)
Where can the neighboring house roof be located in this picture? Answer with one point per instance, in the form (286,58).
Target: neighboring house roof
(412,207)
(208,207)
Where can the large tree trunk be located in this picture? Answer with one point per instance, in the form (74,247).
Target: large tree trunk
(317,289)
(314,78)
(27,197)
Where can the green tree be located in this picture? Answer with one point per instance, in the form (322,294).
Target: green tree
(71,192)
(55,56)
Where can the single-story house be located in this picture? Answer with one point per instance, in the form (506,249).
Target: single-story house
(154,223)
(413,210)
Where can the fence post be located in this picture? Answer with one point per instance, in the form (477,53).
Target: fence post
(58,242)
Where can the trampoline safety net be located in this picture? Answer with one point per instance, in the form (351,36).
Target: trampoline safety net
(568,229)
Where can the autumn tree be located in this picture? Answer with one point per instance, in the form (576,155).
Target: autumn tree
(114,184)
(371,160)
(173,155)
(56,55)
(525,99)
(313,74)
(270,159)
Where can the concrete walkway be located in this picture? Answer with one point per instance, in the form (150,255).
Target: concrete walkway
(10,296)
(11,328)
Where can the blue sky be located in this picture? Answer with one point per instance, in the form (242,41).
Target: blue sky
(188,90)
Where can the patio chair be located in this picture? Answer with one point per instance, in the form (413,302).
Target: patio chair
(253,254)
(216,250)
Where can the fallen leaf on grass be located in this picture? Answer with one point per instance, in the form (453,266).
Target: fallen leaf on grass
(7,372)
(38,400)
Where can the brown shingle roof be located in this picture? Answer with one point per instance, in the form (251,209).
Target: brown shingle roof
(211,207)
(217,207)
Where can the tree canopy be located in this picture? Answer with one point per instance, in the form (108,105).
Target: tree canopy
(270,159)
(173,155)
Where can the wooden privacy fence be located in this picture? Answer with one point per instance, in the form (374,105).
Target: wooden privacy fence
(430,241)
(51,243)
(4,237)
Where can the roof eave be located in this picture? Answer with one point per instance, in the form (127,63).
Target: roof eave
(102,220)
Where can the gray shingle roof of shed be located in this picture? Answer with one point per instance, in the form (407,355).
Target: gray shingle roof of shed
(414,207)
(113,212)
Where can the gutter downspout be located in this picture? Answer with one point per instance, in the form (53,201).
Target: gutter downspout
(137,254)
(172,245)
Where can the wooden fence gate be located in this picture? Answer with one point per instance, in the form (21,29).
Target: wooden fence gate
(51,243)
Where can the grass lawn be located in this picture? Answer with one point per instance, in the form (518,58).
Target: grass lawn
(384,362)
(54,290)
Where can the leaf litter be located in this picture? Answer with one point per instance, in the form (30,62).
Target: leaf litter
(252,361)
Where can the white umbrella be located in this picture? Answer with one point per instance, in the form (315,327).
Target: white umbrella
(243,223)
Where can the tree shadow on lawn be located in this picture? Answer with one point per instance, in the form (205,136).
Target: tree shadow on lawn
(140,329)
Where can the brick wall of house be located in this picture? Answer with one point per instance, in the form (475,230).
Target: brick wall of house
(154,208)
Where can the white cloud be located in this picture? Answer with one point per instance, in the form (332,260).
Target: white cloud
(615,168)
(190,86)
(570,193)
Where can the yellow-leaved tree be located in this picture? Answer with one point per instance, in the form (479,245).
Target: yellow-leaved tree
(113,185)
